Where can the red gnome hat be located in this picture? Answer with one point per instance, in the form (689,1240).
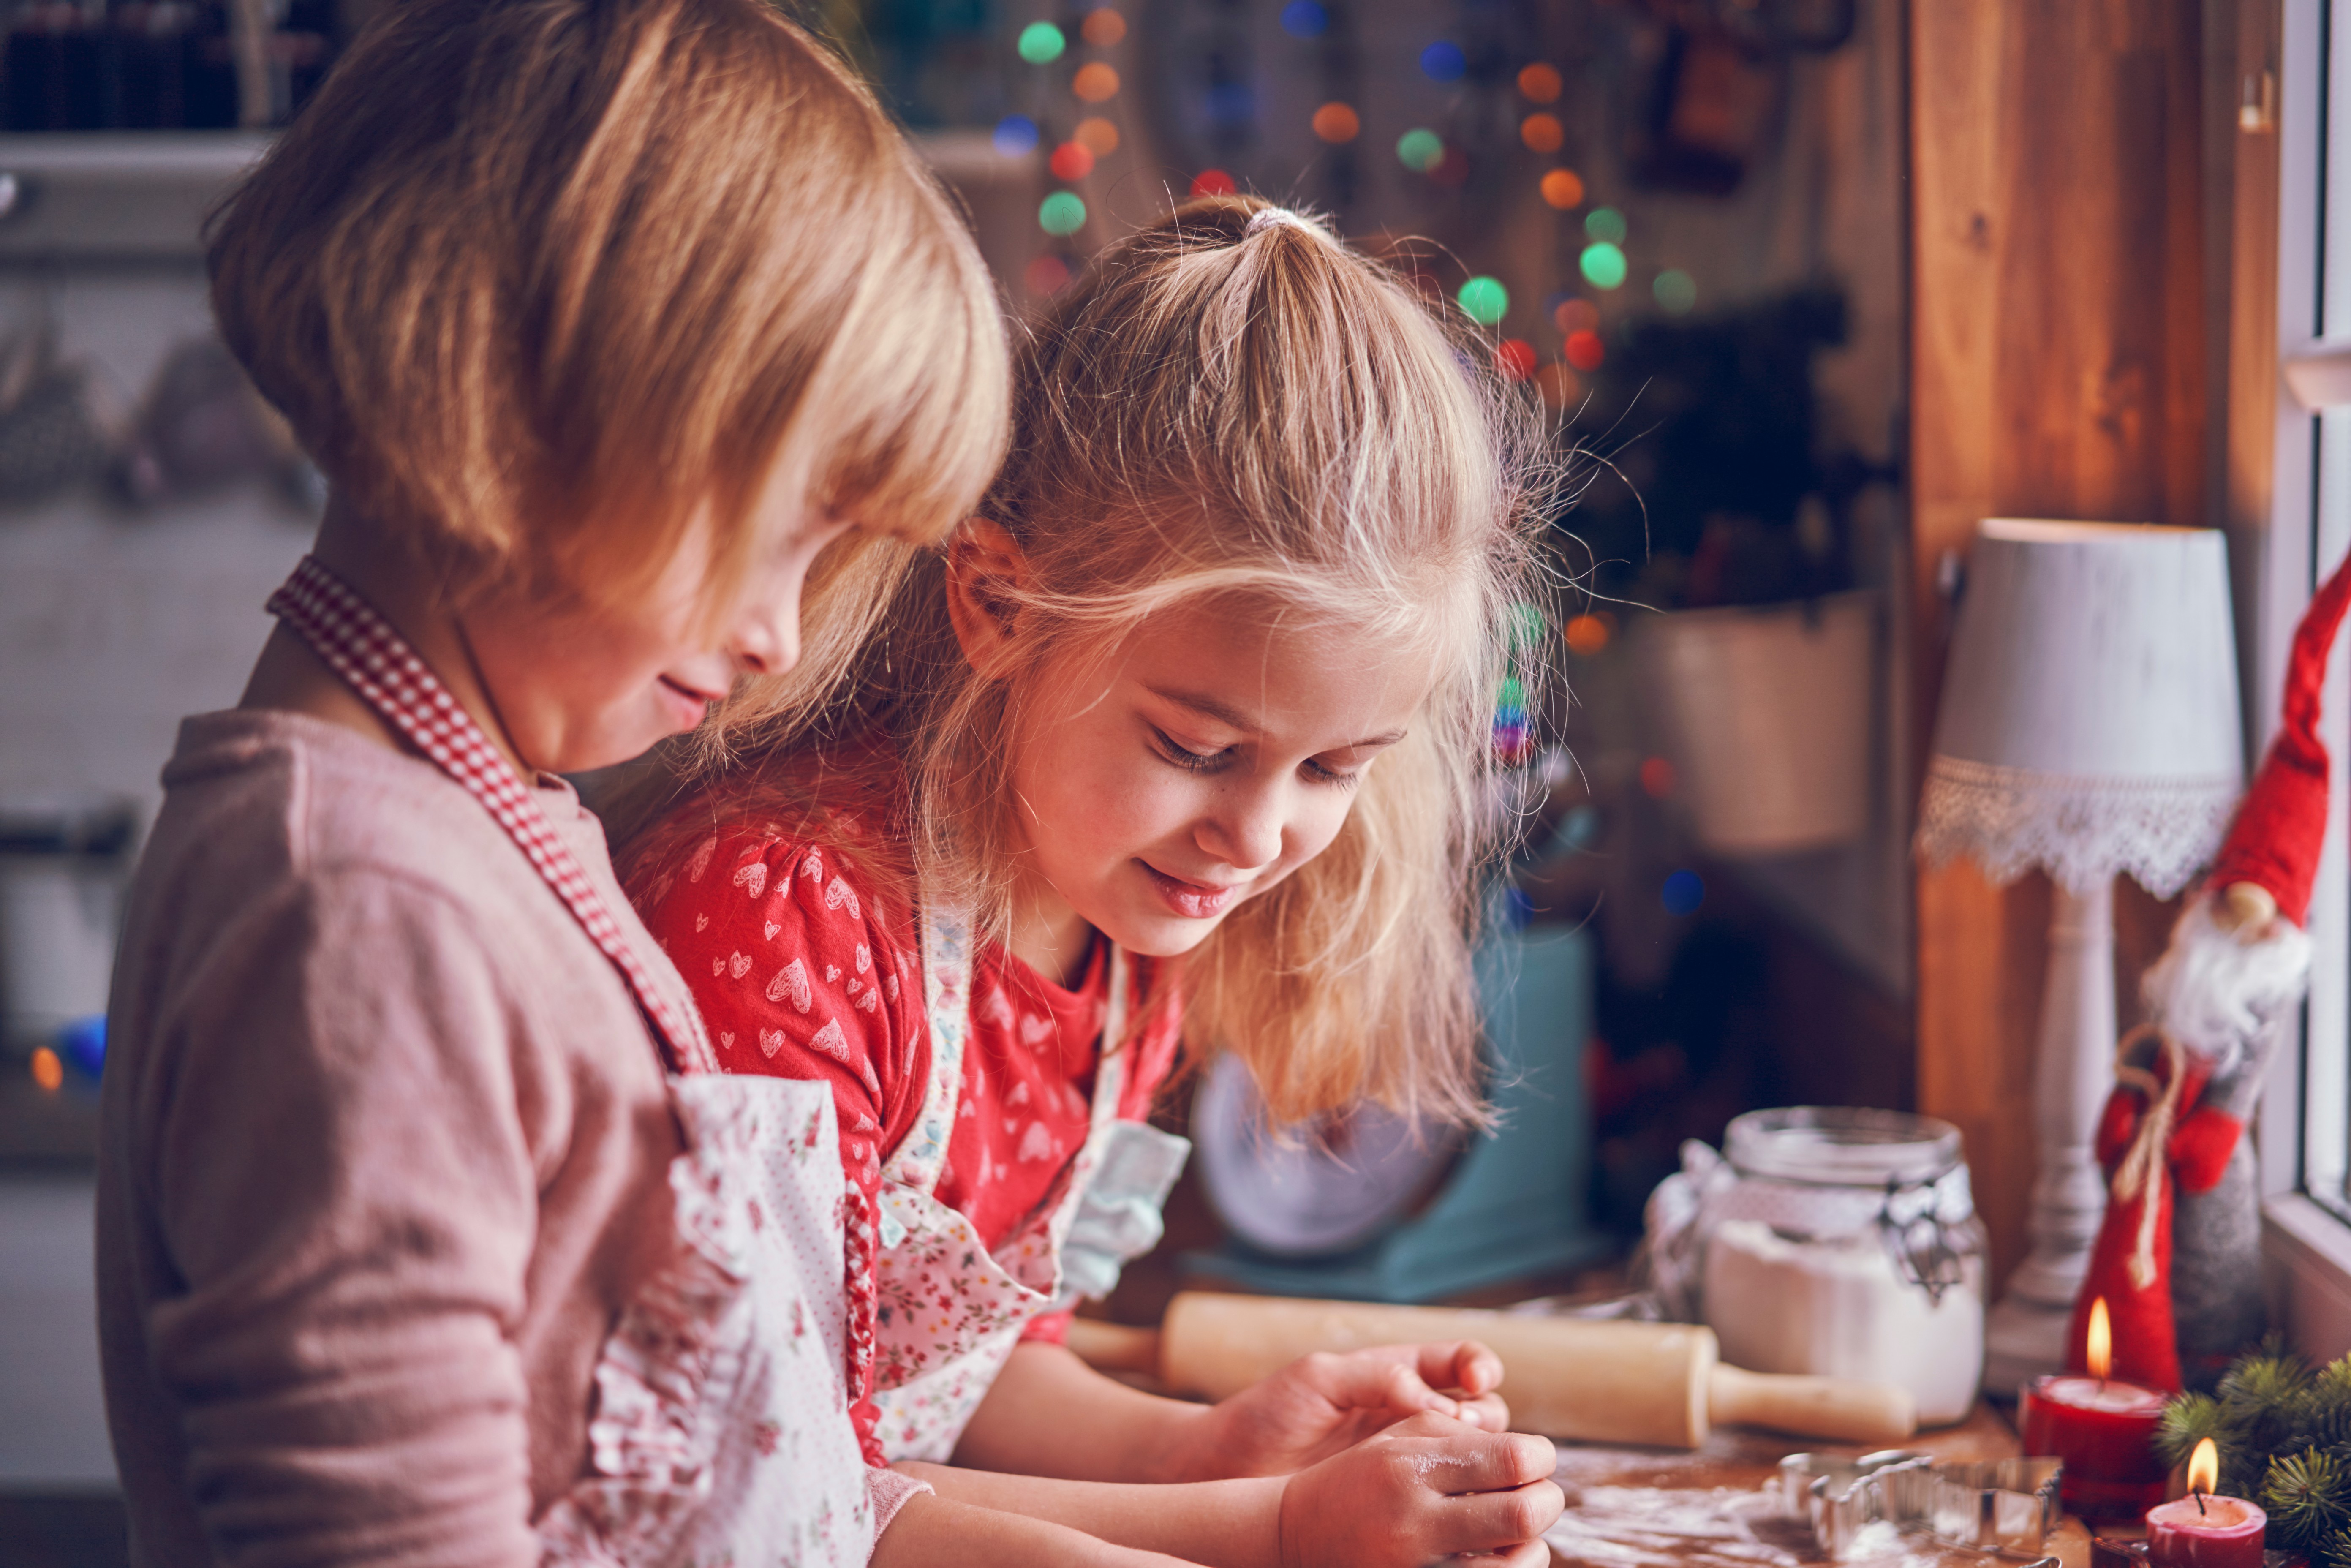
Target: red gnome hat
(2274,841)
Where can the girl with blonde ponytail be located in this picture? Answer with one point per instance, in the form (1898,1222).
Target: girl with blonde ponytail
(1176,747)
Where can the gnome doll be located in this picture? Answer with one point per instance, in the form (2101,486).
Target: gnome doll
(2178,1259)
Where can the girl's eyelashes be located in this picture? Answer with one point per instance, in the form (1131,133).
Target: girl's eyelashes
(1184,757)
(1322,774)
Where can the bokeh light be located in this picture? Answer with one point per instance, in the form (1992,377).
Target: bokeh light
(1564,189)
(1213,182)
(1070,161)
(1604,223)
(1095,82)
(1576,315)
(1658,778)
(1587,635)
(1540,83)
(1062,213)
(1096,135)
(1602,265)
(1452,170)
(1304,19)
(1485,300)
(1337,122)
(1542,132)
(1683,893)
(1102,28)
(49,1070)
(1676,291)
(1515,358)
(1041,42)
(1016,136)
(1048,274)
(1419,149)
(1558,385)
(1443,61)
(1584,351)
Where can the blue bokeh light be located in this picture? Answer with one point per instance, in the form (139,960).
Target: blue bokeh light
(1443,61)
(1016,136)
(1683,893)
(1304,19)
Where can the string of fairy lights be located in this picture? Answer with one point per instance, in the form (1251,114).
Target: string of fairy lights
(1601,263)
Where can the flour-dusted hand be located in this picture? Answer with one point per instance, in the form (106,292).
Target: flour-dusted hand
(1424,1488)
(1323,1403)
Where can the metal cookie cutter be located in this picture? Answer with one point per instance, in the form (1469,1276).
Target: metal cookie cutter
(1840,1498)
(2007,1506)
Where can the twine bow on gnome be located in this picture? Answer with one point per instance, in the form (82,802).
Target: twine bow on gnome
(2177,1258)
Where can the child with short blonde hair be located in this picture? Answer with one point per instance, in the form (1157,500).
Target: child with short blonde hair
(1182,738)
(425,1233)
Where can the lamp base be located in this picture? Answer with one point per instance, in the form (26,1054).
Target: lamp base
(2024,1339)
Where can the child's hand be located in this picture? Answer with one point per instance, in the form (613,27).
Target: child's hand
(1320,1405)
(1424,1488)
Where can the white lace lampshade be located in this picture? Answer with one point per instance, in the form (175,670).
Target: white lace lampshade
(2088,726)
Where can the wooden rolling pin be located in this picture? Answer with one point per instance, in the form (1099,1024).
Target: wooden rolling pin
(1591,1380)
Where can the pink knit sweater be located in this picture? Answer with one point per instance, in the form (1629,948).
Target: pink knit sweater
(385,1149)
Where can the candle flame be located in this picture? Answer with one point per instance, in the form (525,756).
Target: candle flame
(2101,1348)
(2204,1467)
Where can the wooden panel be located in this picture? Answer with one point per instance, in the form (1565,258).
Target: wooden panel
(2059,369)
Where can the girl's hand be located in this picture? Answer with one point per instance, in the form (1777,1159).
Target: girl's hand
(1424,1488)
(1321,1404)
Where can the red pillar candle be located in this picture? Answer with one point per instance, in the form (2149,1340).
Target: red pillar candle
(2104,1432)
(2202,1530)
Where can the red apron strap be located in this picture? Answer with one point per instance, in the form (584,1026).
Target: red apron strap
(376,662)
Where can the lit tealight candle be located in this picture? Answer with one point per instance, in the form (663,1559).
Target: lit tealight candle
(2203,1531)
(2102,1428)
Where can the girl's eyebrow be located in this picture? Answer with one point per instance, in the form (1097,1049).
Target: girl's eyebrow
(1233,718)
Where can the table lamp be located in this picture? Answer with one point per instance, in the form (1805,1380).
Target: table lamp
(2088,726)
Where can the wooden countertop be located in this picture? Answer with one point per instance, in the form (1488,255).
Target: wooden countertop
(1654,1508)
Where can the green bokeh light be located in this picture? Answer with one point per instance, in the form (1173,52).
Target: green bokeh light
(1605,224)
(1485,300)
(1041,42)
(1062,213)
(1603,265)
(1421,150)
(1676,290)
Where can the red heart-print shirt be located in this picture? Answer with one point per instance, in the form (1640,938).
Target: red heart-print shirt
(801,973)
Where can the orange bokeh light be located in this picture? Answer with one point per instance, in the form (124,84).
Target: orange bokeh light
(1515,358)
(1212,182)
(1096,135)
(48,1071)
(1540,83)
(1046,274)
(1563,188)
(1095,82)
(1585,352)
(1070,161)
(1337,122)
(1102,28)
(1587,635)
(1558,385)
(1575,316)
(1542,132)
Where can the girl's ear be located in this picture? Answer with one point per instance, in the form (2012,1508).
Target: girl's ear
(985,572)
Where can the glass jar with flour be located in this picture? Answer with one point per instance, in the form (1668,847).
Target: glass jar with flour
(1841,1243)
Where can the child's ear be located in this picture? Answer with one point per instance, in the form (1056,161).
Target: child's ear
(985,572)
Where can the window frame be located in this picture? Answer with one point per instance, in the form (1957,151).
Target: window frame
(2304,1134)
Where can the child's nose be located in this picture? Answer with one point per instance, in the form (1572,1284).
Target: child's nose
(767,643)
(1247,835)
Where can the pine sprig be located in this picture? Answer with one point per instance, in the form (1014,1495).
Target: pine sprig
(2192,1417)
(2334,1551)
(2308,1497)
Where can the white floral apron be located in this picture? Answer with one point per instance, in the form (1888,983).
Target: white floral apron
(720,1433)
(949,1310)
